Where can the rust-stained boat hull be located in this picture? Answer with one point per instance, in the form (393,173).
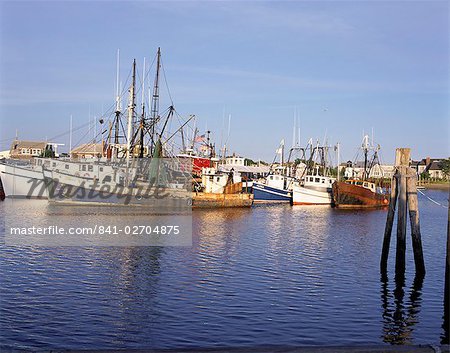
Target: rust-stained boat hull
(355,196)
(210,200)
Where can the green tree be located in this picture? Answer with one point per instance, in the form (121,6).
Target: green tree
(445,166)
(48,153)
(425,175)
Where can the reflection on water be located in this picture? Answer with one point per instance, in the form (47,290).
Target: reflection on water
(270,275)
(446,317)
(400,315)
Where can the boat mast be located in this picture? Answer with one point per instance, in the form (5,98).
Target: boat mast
(366,153)
(131,105)
(117,112)
(142,124)
(338,145)
(155,107)
(70,136)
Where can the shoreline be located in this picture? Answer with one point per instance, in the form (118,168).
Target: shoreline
(443,186)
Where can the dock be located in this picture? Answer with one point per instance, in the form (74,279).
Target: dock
(210,200)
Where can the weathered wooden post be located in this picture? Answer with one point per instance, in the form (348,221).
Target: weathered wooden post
(389,223)
(401,224)
(2,191)
(413,207)
(403,188)
(446,323)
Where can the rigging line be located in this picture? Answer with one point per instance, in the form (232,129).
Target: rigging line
(147,73)
(429,198)
(165,80)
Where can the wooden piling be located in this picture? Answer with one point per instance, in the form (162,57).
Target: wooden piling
(389,223)
(2,191)
(403,188)
(413,207)
(401,224)
(446,323)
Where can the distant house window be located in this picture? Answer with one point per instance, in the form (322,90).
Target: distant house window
(317,180)
(101,169)
(54,164)
(66,166)
(90,168)
(83,167)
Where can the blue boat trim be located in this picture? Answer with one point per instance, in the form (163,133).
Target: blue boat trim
(264,193)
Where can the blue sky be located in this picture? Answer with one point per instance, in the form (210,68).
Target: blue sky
(347,67)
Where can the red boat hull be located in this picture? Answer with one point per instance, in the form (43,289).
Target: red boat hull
(355,196)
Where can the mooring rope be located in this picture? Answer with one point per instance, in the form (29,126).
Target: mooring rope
(434,201)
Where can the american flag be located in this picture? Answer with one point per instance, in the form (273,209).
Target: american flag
(200,138)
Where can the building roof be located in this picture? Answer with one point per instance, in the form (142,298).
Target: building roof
(18,144)
(246,169)
(435,165)
(88,148)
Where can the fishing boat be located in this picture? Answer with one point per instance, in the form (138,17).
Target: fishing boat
(143,170)
(219,189)
(277,186)
(22,180)
(314,190)
(361,192)
(315,187)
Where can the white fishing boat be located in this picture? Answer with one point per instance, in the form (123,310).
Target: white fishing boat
(315,187)
(314,190)
(22,180)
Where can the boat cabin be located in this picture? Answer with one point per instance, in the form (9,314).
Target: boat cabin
(215,181)
(318,180)
(365,184)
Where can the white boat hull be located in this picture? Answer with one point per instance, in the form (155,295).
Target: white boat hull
(302,195)
(22,182)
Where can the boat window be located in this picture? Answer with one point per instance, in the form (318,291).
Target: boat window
(271,177)
(359,183)
(317,180)
(66,166)
(107,178)
(83,167)
(365,184)
(90,168)
(323,181)
(101,169)
(54,164)
(218,178)
(211,178)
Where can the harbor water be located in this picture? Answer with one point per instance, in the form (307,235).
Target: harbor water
(269,275)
